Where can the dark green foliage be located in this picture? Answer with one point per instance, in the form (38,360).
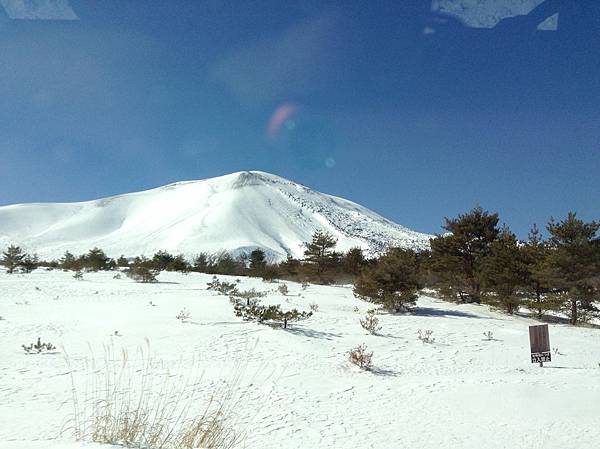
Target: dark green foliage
(258,262)
(179,264)
(535,253)
(12,258)
(69,262)
(456,258)
(226,264)
(391,281)
(143,270)
(30,263)
(320,256)
(259,313)
(161,260)
(38,347)
(354,261)
(96,260)
(122,262)
(201,263)
(224,288)
(574,265)
(503,272)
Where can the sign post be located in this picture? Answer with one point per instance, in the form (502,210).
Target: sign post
(539,341)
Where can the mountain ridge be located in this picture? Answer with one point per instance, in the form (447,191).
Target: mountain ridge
(237,212)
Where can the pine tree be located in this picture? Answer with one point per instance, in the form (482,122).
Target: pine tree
(69,262)
(12,258)
(201,263)
(503,271)
(162,259)
(257,262)
(354,261)
(574,263)
(320,254)
(30,263)
(535,254)
(456,258)
(391,281)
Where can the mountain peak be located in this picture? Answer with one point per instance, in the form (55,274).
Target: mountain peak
(237,213)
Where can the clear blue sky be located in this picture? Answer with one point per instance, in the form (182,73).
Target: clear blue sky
(357,99)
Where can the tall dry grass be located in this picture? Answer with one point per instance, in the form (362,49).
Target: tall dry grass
(147,403)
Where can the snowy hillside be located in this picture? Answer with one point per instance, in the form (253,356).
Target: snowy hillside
(236,212)
(298,390)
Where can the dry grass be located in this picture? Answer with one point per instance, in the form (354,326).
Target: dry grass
(143,403)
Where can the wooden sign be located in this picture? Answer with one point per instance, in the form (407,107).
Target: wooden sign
(539,341)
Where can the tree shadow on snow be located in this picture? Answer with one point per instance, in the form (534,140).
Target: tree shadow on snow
(305,332)
(384,372)
(428,311)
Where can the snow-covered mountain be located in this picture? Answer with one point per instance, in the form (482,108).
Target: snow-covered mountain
(237,213)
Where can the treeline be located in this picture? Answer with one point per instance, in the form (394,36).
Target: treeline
(479,261)
(475,261)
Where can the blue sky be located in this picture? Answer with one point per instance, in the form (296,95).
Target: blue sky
(407,110)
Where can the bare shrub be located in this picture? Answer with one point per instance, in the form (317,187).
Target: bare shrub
(360,357)
(489,335)
(371,323)
(283,289)
(78,275)
(425,336)
(314,306)
(184,315)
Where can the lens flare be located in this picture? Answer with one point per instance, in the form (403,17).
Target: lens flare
(279,118)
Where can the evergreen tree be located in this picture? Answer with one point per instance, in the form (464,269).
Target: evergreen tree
(12,258)
(391,281)
(161,260)
(178,264)
(320,255)
(257,262)
(96,260)
(226,264)
(574,263)
(456,258)
(122,261)
(69,262)
(503,272)
(201,263)
(538,276)
(354,261)
(30,263)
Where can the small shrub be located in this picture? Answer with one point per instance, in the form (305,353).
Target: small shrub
(314,306)
(425,336)
(356,309)
(360,357)
(270,313)
(117,276)
(143,274)
(224,288)
(283,289)
(184,314)
(489,335)
(39,347)
(371,323)
(305,285)
(247,296)
(78,275)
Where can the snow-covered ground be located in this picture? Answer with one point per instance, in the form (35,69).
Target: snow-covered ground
(299,390)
